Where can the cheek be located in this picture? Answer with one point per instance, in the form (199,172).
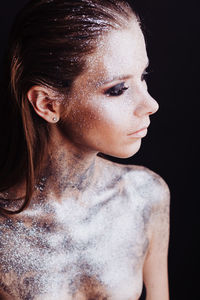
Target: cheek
(102,128)
(99,119)
(104,117)
(79,119)
(115,115)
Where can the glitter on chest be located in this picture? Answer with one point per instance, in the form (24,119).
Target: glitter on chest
(83,243)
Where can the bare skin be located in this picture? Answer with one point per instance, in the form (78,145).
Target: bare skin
(93,246)
(94,229)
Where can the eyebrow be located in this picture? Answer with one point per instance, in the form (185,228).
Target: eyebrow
(114,78)
(119,77)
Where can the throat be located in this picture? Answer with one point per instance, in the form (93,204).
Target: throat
(66,173)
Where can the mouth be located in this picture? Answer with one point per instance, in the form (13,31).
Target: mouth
(139,133)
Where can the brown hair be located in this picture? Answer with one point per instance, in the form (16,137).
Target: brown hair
(48,42)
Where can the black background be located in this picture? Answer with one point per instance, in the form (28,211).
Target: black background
(171,147)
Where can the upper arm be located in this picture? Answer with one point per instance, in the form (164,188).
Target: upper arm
(156,263)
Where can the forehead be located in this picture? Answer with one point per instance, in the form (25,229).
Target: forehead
(119,52)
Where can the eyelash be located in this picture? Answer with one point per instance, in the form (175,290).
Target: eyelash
(120,88)
(116,90)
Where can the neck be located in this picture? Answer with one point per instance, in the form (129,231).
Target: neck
(66,170)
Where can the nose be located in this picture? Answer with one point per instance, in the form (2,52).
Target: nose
(146,106)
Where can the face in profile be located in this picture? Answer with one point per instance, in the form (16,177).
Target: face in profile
(109,106)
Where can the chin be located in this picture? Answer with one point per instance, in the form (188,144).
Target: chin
(126,151)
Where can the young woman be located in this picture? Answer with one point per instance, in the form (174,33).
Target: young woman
(72,224)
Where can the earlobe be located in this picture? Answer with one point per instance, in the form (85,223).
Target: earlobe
(44,103)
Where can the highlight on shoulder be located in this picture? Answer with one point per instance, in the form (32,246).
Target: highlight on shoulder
(138,180)
(148,183)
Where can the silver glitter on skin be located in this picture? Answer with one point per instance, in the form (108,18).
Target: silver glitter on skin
(51,255)
(41,185)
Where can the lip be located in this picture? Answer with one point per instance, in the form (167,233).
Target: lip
(139,133)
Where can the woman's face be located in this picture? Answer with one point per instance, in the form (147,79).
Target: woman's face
(109,103)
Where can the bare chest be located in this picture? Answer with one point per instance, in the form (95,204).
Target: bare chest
(77,254)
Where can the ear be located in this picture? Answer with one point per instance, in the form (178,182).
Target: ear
(45,103)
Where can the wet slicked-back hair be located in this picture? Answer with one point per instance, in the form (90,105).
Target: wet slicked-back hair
(48,45)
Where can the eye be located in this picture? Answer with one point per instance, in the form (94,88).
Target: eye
(144,75)
(116,90)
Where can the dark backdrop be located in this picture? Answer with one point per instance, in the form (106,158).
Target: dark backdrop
(171,147)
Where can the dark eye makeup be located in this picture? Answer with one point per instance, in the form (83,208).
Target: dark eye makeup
(120,88)
(116,90)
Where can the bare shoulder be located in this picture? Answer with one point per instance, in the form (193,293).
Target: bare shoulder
(147,195)
(146,190)
(139,180)
(155,196)
(148,184)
